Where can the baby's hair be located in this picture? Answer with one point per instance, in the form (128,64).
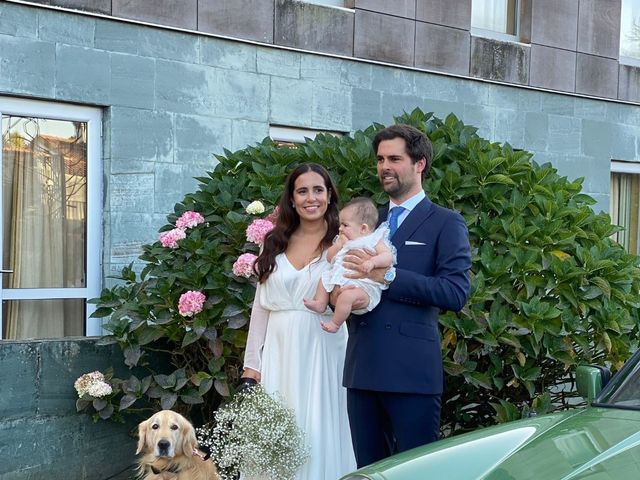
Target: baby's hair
(364,210)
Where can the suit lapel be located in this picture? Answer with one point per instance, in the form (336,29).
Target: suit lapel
(416,217)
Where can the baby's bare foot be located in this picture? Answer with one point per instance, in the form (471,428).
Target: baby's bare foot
(315,305)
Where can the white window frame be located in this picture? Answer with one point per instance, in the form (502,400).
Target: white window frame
(329,3)
(631,61)
(618,166)
(93,117)
(279,133)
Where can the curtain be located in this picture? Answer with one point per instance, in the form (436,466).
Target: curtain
(36,241)
(625,209)
(494,15)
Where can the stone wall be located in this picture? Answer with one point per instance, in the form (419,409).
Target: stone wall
(563,45)
(41,434)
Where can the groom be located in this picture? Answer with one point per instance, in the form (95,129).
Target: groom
(393,367)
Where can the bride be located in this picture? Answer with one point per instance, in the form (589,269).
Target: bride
(286,348)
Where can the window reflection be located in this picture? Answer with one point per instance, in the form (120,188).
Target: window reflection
(630,29)
(43,318)
(624,208)
(44,180)
(495,15)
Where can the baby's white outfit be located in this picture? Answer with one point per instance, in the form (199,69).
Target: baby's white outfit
(335,275)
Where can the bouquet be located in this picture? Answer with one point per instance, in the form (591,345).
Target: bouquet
(254,434)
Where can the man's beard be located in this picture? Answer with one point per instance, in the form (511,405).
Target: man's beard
(397,189)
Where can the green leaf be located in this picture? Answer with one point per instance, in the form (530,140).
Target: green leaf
(81,404)
(106,412)
(132,355)
(101,312)
(165,381)
(126,401)
(189,338)
(221,387)
(191,397)
(231,311)
(168,400)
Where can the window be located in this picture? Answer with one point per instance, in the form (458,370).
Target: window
(294,135)
(630,32)
(332,3)
(624,204)
(50,165)
(495,18)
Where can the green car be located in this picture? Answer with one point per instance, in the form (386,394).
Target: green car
(600,442)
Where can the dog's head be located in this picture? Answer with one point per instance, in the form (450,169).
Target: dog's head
(166,434)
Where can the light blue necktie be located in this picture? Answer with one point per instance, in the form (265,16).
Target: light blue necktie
(394,214)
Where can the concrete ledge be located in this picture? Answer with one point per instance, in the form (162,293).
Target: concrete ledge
(314,27)
(384,38)
(552,68)
(597,76)
(444,49)
(504,61)
(250,19)
(175,13)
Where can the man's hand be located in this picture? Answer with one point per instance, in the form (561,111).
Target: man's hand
(356,262)
(353,261)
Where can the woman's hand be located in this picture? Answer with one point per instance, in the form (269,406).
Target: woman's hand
(251,373)
(249,379)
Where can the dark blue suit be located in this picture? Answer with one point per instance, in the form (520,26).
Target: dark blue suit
(393,365)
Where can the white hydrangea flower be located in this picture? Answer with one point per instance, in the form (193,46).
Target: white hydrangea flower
(99,389)
(255,208)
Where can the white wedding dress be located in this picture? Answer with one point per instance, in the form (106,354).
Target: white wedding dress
(304,364)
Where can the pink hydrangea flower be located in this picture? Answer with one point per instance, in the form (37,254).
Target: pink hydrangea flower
(243,266)
(273,216)
(189,219)
(258,229)
(170,239)
(191,303)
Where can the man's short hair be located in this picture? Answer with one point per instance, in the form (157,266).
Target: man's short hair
(365,211)
(418,146)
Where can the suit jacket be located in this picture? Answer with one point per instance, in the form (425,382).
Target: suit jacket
(396,346)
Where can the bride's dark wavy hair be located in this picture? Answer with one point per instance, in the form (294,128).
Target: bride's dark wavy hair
(277,240)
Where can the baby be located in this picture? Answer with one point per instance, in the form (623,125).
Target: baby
(357,230)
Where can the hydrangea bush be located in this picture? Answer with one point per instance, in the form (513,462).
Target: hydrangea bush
(550,289)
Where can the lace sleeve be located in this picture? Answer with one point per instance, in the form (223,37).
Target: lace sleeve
(257,332)
(383,232)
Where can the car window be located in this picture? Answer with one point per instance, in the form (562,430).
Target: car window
(625,392)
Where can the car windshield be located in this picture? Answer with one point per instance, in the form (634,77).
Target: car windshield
(624,389)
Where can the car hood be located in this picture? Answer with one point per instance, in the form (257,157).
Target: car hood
(594,443)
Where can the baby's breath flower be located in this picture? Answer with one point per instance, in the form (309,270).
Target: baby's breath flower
(257,435)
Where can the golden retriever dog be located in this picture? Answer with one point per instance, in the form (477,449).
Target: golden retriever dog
(167,442)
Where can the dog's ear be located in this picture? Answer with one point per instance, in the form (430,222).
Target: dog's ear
(189,441)
(143,428)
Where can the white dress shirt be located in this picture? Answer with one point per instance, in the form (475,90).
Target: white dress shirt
(408,205)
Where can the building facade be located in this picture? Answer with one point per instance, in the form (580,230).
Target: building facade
(111,107)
